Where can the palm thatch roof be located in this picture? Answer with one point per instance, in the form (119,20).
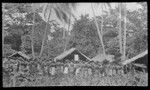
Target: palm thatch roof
(86,56)
(140,65)
(101,58)
(64,54)
(21,54)
(135,58)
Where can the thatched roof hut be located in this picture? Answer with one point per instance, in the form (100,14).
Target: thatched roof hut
(72,55)
(140,62)
(19,54)
(138,59)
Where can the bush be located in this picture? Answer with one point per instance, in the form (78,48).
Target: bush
(70,79)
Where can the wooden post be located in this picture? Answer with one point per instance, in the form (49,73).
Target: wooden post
(52,70)
(144,71)
(86,72)
(62,68)
(110,72)
(126,69)
(65,70)
(46,68)
(40,69)
(122,72)
(77,71)
(89,71)
(113,71)
(71,68)
(58,69)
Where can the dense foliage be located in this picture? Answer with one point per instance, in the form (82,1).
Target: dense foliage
(18,25)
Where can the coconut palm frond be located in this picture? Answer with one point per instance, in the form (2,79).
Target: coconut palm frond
(73,5)
(65,17)
(62,10)
(68,10)
(109,5)
(140,65)
(58,14)
(45,10)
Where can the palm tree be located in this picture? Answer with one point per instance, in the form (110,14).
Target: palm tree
(3,6)
(118,12)
(124,38)
(121,38)
(45,33)
(102,31)
(120,31)
(98,30)
(32,43)
(67,37)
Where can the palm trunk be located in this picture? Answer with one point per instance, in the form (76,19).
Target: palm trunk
(67,39)
(32,41)
(66,43)
(64,32)
(64,37)
(124,38)
(3,27)
(99,33)
(102,32)
(44,38)
(120,31)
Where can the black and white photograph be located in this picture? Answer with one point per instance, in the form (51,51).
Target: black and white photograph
(74,44)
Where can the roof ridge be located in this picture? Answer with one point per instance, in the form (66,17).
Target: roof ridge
(66,53)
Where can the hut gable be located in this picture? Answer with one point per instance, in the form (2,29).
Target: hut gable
(72,54)
(101,58)
(18,55)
